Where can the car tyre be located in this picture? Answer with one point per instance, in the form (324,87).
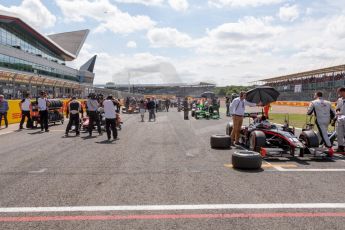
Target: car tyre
(246,160)
(229,128)
(220,141)
(310,139)
(257,140)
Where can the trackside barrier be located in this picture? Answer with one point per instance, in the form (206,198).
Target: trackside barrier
(295,103)
(14,113)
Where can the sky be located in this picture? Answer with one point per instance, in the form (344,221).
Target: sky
(227,42)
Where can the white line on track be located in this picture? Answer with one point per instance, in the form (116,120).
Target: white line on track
(174,207)
(39,171)
(6,133)
(281,169)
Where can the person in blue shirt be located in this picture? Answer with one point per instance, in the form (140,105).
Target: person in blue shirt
(3,110)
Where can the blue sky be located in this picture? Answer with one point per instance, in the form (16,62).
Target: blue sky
(221,41)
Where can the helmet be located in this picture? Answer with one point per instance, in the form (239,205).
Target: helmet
(266,124)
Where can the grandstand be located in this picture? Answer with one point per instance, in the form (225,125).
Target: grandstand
(302,86)
(180,90)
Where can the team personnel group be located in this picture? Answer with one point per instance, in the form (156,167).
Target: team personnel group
(319,107)
(107,111)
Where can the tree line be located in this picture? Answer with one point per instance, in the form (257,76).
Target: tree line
(228,90)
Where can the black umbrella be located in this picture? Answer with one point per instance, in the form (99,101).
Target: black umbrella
(263,95)
(208,94)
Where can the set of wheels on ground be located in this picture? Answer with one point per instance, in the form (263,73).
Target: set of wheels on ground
(245,160)
(251,159)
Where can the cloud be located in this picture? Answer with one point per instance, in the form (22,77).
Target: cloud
(288,13)
(108,15)
(105,68)
(33,12)
(143,2)
(131,44)
(169,37)
(242,3)
(179,5)
(249,28)
(246,36)
(336,26)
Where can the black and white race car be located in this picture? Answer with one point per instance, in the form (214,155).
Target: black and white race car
(273,140)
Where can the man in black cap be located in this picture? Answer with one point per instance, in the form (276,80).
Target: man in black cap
(73,109)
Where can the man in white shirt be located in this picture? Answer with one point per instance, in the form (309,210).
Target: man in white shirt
(237,110)
(340,111)
(109,106)
(25,106)
(42,103)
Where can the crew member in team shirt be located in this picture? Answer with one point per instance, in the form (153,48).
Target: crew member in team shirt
(340,112)
(25,106)
(42,103)
(73,109)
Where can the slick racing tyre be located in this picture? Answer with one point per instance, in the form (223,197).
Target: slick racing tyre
(55,103)
(246,160)
(257,140)
(220,141)
(309,138)
(229,128)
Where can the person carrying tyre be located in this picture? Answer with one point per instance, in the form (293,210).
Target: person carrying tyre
(340,110)
(73,109)
(110,107)
(324,113)
(25,106)
(92,106)
(237,110)
(42,103)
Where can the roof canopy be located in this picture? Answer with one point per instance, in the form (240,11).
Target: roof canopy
(311,73)
(66,47)
(70,41)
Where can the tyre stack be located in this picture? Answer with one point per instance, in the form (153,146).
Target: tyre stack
(54,115)
(55,104)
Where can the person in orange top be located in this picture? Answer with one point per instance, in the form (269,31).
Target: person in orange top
(267,110)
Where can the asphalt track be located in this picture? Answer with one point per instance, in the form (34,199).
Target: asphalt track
(159,175)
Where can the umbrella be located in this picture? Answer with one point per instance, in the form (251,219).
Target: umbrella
(208,94)
(262,94)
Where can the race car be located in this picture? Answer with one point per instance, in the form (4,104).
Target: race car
(131,109)
(273,140)
(202,112)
